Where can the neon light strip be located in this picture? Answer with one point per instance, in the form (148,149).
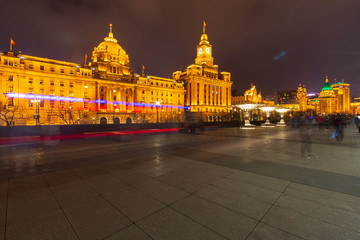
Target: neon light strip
(43,97)
(101,101)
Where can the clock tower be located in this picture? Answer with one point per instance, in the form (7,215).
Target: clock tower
(204,51)
(207,91)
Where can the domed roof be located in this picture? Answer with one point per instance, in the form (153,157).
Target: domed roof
(326,86)
(110,45)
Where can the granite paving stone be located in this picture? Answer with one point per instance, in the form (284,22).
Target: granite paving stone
(264,232)
(181,182)
(169,224)
(227,223)
(132,232)
(30,205)
(50,225)
(200,175)
(3,202)
(95,218)
(259,180)
(305,226)
(105,183)
(61,177)
(325,193)
(133,203)
(334,215)
(335,202)
(238,202)
(29,183)
(250,190)
(73,192)
(161,191)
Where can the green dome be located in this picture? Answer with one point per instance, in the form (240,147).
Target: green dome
(327,85)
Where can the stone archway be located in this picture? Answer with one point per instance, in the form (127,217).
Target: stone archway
(103,120)
(128,120)
(116,120)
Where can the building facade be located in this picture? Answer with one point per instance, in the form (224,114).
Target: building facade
(333,98)
(207,91)
(37,90)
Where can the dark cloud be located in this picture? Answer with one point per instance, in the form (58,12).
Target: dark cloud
(320,37)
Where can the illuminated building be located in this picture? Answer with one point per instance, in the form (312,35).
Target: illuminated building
(302,98)
(288,97)
(355,106)
(104,91)
(342,97)
(333,98)
(207,91)
(250,96)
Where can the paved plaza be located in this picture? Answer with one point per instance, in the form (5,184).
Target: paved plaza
(222,184)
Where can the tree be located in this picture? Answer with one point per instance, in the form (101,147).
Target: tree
(69,115)
(172,115)
(7,113)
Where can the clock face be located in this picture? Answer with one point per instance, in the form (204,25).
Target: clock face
(200,50)
(207,50)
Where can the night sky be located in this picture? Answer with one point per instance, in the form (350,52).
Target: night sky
(274,44)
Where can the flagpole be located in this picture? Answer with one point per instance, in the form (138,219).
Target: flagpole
(10,45)
(85,58)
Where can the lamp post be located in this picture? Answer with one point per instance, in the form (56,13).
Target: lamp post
(282,111)
(157,111)
(37,111)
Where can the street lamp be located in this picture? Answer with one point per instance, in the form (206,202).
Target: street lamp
(282,111)
(267,110)
(157,111)
(37,115)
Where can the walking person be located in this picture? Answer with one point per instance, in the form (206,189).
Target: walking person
(338,129)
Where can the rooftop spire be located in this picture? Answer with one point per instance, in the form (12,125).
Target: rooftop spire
(204,25)
(110,33)
(327,80)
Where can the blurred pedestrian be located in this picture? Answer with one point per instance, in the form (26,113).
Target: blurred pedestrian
(306,132)
(338,128)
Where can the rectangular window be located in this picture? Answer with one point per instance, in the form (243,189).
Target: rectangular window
(71,72)
(61,84)
(62,70)
(52,69)
(11,78)
(10,101)
(31,66)
(52,83)
(42,68)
